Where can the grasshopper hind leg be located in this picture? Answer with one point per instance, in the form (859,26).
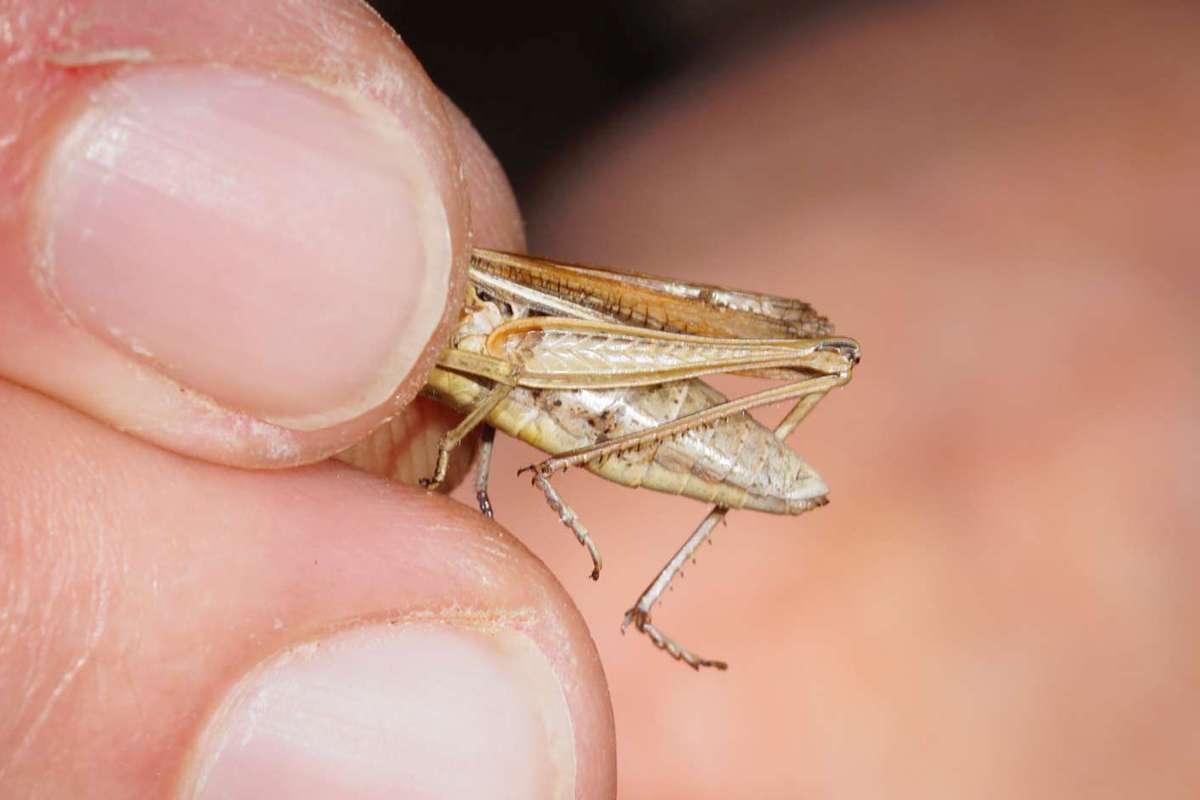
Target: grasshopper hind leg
(641,620)
(639,615)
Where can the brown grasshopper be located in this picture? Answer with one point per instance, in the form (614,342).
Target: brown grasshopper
(601,369)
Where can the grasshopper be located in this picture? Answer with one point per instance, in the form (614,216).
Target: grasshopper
(601,369)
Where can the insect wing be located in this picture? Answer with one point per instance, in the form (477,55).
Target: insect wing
(630,298)
(564,353)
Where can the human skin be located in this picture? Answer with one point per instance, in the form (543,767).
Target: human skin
(230,242)
(998,602)
(998,202)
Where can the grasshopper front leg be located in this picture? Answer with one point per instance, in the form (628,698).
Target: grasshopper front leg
(453,437)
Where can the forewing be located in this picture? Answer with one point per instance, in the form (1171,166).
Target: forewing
(629,298)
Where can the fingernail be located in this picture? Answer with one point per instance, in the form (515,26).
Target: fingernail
(278,248)
(416,711)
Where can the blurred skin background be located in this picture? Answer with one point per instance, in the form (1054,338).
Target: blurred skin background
(996,199)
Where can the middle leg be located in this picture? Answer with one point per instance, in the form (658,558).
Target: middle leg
(483,470)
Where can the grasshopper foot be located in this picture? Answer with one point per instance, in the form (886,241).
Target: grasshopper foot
(485,503)
(433,482)
(641,620)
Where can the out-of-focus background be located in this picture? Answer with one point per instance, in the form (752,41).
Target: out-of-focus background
(537,78)
(999,201)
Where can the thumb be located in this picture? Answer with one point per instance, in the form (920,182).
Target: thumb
(233,232)
(178,628)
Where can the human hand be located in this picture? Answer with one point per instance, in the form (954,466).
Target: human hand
(230,239)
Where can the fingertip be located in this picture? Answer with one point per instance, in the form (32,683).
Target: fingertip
(244,247)
(405,448)
(440,708)
(297,613)
(496,220)
(275,247)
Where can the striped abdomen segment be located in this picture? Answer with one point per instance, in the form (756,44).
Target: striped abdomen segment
(735,462)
